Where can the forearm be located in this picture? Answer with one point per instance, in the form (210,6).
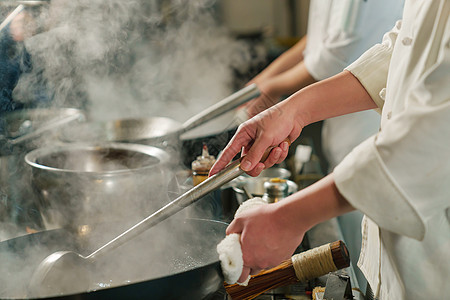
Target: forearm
(284,62)
(335,96)
(313,205)
(290,81)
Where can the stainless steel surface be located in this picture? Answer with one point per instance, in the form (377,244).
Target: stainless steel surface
(238,98)
(49,275)
(35,127)
(159,131)
(275,190)
(80,184)
(21,132)
(11,16)
(255,185)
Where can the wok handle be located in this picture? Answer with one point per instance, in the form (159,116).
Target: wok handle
(238,98)
(307,265)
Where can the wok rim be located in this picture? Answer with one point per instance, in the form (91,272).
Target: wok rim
(31,157)
(178,130)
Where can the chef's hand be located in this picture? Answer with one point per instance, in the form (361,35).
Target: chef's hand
(266,238)
(267,129)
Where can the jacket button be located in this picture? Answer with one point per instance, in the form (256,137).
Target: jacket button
(407,41)
(389,115)
(382,94)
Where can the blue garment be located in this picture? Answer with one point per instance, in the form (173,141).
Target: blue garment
(14,60)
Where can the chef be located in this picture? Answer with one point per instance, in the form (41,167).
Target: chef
(398,178)
(338,33)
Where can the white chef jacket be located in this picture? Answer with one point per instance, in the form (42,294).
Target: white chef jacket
(339,31)
(400,178)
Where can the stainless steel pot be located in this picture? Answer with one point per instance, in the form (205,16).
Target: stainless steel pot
(79,184)
(22,131)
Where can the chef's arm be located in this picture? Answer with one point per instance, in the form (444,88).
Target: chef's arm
(335,96)
(315,204)
(284,62)
(270,233)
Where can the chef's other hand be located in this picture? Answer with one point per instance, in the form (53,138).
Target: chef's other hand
(266,239)
(268,129)
(268,98)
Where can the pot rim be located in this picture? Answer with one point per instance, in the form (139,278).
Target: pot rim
(31,157)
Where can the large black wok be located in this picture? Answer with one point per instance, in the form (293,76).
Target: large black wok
(175,260)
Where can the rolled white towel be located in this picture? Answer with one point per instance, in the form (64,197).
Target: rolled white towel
(249,204)
(229,249)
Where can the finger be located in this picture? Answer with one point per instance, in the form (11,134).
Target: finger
(230,151)
(257,170)
(273,157)
(254,154)
(284,146)
(234,227)
(244,275)
(255,271)
(276,156)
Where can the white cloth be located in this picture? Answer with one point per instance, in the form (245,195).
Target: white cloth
(339,31)
(229,249)
(400,177)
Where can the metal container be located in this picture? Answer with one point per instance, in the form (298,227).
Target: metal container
(81,184)
(255,185)
(275,190)
(20,132)
(161,132)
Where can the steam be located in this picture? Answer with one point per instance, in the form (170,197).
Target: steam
(120,59)
(133,58)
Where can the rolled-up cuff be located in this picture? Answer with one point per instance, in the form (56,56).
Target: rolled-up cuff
(363,179)
(371,70)
(322,62)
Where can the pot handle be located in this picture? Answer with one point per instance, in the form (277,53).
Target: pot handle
(307,265)
(236,99)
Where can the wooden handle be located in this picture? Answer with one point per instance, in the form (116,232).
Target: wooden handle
(307,265)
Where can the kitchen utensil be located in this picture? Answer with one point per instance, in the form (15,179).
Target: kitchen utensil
(27,129)
(11,16)
(177,259)
(79,184)
(300,267)
(20,132)
(50,275)
(255,185)
(155,131)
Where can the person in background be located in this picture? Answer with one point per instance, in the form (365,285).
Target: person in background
(15,60)
(398,177)
(338,33)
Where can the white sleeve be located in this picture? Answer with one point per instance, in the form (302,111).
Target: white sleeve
(372,67)
(399,178)
(344,30)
